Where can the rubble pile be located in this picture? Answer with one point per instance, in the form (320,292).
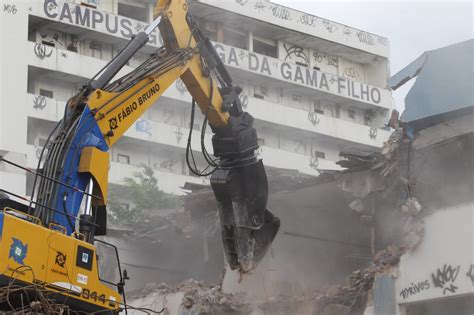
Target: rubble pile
(285,304)
(195,297)
(352,297)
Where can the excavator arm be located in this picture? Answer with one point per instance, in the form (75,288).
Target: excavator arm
(104,110)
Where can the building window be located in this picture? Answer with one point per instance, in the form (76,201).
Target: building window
(319,154)
(90,3)
(297,98)
(136,11)
(96,49)
(41,142)
(235,38)
(46,93)
(45,42)
(73,45)
(265,47)
(210,29)
(318,108)
(122,158)
(261,92)
(351,113)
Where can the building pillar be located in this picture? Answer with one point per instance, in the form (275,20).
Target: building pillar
(250,41)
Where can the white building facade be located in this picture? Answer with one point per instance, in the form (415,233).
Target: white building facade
(315,87)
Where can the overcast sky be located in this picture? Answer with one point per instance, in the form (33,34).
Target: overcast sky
(412,27)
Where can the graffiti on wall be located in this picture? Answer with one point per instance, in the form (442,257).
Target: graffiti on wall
(259,6)
(347,33)
(285,14)
(351,72)
(415,288)
(313,118)
(42,51)
(39,102)
(280,12)
(373,131)
(10,9)
(244,100)
(330,60)
(366,38)
(144,126)
(296,54)
(179,134)
(470,273)
(307,19)
(330,26)
(444,278)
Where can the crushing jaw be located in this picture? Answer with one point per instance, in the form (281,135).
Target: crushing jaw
(241,189)
(248,228)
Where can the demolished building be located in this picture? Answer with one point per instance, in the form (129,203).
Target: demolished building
(392,234)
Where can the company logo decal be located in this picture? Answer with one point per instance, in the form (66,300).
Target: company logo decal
(18,251)
(60,259)
(113,124)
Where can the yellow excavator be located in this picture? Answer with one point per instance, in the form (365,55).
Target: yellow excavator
(49,251)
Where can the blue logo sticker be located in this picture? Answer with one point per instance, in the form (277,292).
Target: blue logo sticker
(18,251)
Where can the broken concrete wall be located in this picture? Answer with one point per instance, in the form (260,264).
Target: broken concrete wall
(442,265)
(319,243)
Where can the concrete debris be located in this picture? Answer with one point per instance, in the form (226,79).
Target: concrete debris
(352,298)
(385,162)
(361,184)
(357,205)
(191,297)
(411,207)
(413,233)
(387,172)
(336,309)
(392,143)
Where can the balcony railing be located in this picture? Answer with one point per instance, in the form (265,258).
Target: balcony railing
(270,112)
